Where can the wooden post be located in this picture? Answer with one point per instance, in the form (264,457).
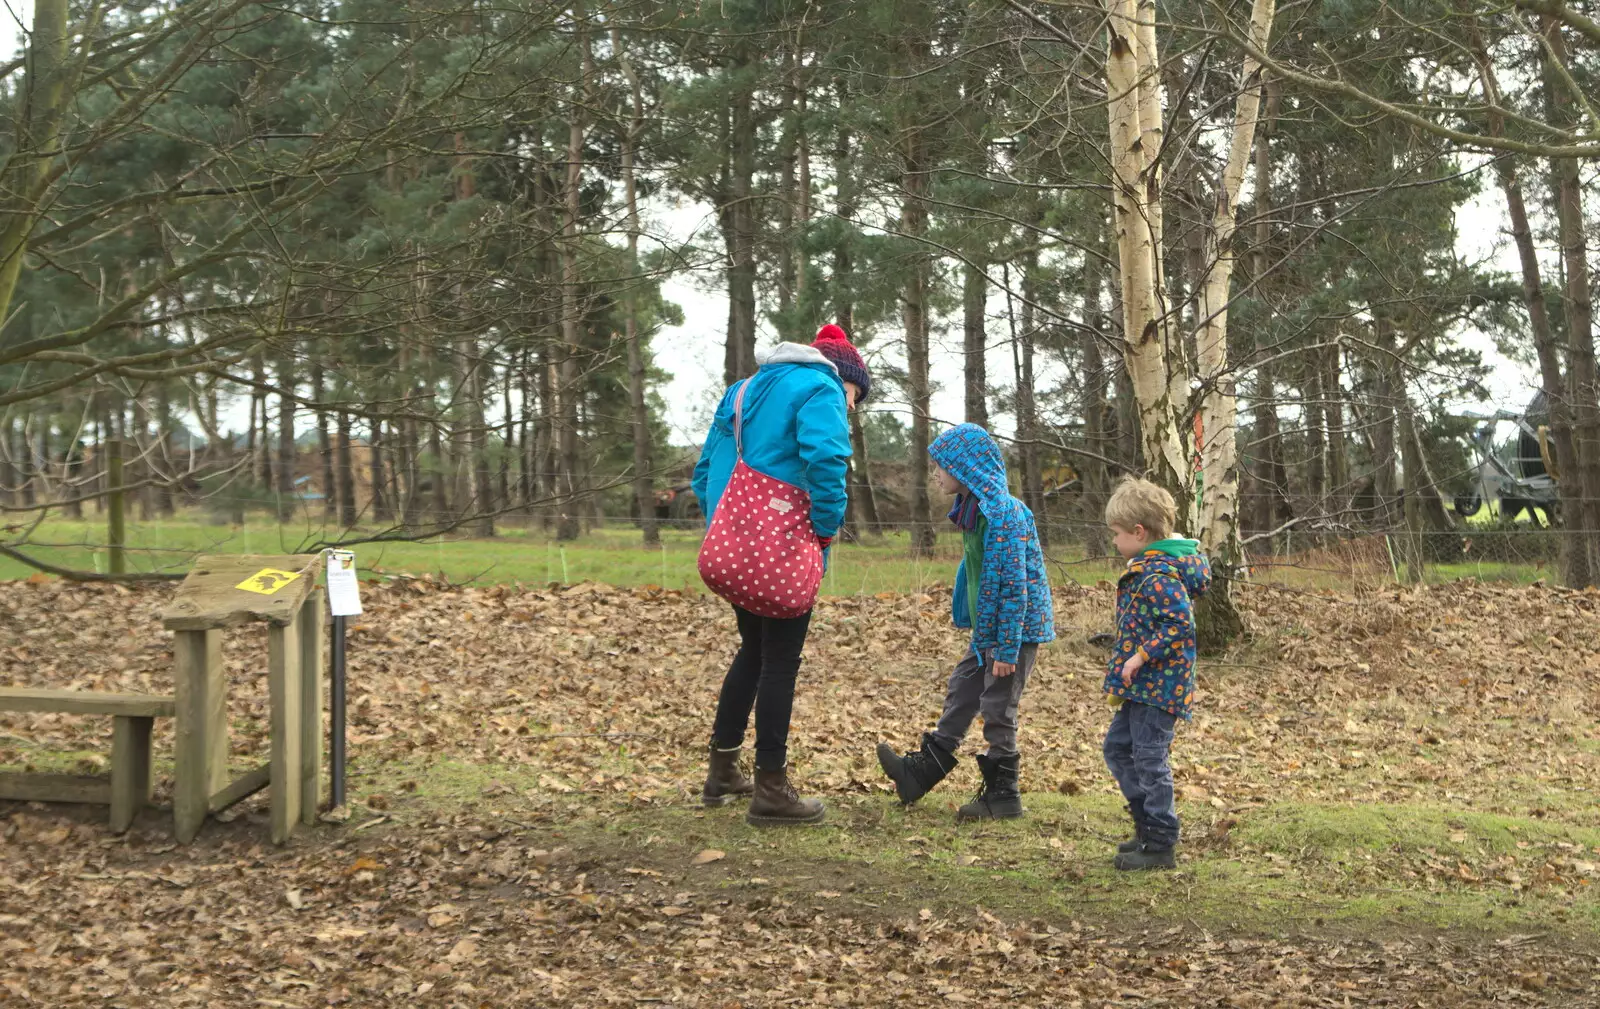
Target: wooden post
(130,769)
(284,686)
(311,676)
(116,532)
(200,746)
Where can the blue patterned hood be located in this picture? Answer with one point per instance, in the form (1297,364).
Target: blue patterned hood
(1014,602)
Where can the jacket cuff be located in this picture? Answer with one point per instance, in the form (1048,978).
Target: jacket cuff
(1007,654)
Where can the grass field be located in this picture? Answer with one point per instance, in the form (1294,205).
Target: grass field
(615,556)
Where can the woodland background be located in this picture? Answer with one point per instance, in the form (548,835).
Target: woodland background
(390,273)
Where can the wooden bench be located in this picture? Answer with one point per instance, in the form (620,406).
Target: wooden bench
(133,718)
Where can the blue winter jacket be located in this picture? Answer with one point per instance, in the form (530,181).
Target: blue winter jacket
(1155,616)
(795,430)
(1014,604)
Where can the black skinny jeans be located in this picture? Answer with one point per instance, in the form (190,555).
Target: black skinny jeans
(762,676)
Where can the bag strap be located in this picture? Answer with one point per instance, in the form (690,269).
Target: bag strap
(738,420)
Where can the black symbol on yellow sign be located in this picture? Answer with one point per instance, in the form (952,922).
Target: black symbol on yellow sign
(267,581)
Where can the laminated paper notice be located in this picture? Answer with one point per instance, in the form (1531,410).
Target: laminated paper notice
(344,592)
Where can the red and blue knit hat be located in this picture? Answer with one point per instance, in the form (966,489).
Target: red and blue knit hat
(834,345)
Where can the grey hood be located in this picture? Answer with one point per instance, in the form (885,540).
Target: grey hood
(793,353)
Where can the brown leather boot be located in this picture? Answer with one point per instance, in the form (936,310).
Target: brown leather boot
(724,780)
(776,802)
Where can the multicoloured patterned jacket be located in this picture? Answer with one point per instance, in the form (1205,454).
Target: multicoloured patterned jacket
(1014,604)
(1155,616)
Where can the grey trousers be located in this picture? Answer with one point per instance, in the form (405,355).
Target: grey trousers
(975,690)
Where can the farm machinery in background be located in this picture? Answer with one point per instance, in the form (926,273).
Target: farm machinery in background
(1525,483)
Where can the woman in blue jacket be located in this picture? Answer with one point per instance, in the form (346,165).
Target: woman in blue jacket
(796,429)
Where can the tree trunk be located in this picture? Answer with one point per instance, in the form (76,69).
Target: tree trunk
(10,481)
(345,474)
(262,447)
(803,190)
(1333,424)
(508,436)
(1133,84)
(1575,570)
(974,306)
(913,224)
(862,493)
(408,465)
(574,504)
(162,469)
(742,217)
(643,480)
(1271,477)
(24,454)
(528,459)
(788,148)
(330,504)
(1411,547)
(1312,396)
(477,381)
(844,172)
(1582,385)
(286,447)
(381,513)
(1096,409)
(1218,620)
(1386,389)
(1027,406)
(46,92)
(549,469)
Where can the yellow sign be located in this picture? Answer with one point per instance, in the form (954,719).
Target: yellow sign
(267,581)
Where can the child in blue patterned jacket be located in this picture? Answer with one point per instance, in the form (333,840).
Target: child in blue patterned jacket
(1003,595)
(1150,676)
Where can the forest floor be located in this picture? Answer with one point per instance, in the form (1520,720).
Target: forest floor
(1388,799)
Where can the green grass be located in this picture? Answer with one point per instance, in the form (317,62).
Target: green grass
(1285,865)
(613,555)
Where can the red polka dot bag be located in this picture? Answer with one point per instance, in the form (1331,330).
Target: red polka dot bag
(761,553)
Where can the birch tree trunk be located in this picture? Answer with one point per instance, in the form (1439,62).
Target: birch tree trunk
(1133,84)
(1218,527)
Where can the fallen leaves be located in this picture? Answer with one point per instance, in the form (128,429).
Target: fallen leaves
(604,698)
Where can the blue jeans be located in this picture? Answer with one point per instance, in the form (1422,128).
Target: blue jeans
(1136,749)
